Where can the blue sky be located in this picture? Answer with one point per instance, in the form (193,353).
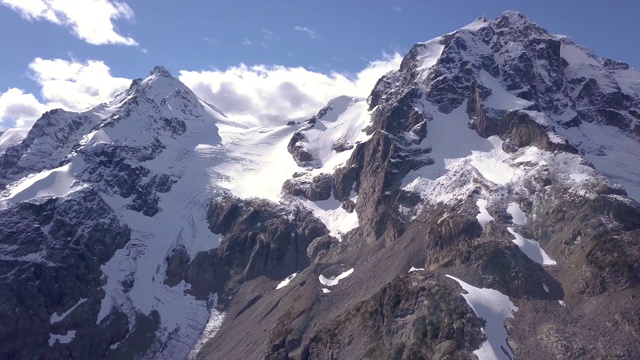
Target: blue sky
(61,54)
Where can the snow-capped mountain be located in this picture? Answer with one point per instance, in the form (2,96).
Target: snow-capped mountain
(481,199)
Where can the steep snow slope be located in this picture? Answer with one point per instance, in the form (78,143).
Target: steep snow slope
(260,161)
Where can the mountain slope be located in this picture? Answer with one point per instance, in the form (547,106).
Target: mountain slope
(476,165)
(146,158)
(483,197)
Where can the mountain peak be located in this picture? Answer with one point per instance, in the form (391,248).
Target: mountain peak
(511,19)
(160,70)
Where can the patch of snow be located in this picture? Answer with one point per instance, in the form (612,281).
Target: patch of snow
(555,138)
(454,146)
(492,164)
(259,161)
(561,303)
(286,281)
(611,151)
(545,287)
(325,291)
(451,142)
(500,98)
(58,182)
(477,24)
(579,177)
(335,218)
(341,124)
(495,308)
(430,53)
(628,80)
(211,328)
(333,281)
(539,117)
(577,56)
(517,216)
(62,339)
(415,269)
(56,318)
(582,61)
(483,217)
(36,257)
(531,248)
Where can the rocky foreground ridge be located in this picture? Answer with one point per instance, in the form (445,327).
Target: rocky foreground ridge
(481,203)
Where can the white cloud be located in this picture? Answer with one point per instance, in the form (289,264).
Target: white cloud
(269,35)
(264,95)
(76,85)
(89,20)
(396,8)
(246,42)
(70,85)
(18,109)
(312,34)
(255,95)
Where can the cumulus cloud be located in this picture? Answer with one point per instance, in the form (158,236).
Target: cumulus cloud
(71,85)
(89,20)
(256,95)
(312,34)
(266,95)
(75,85)
(18,109)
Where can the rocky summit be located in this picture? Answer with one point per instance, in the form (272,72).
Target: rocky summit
(482,202)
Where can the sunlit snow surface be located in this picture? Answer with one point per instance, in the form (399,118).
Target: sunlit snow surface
(211,328)
(286,281)
(58,182)
(532,249)
(517,216)
(56,318)
(483,217)
(331,213)
(333,281)
(495,308)
(62,339)
(259,162)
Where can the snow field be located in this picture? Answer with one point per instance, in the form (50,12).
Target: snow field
(62,339)
(334,280)
(286,281)
(532,249)
(495,308)
(517,216)
(57,318)
(483,217)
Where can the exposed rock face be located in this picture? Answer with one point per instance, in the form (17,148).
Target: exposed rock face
(313,188)
(260,239)
(415,316)
(299,152)
(52,252)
